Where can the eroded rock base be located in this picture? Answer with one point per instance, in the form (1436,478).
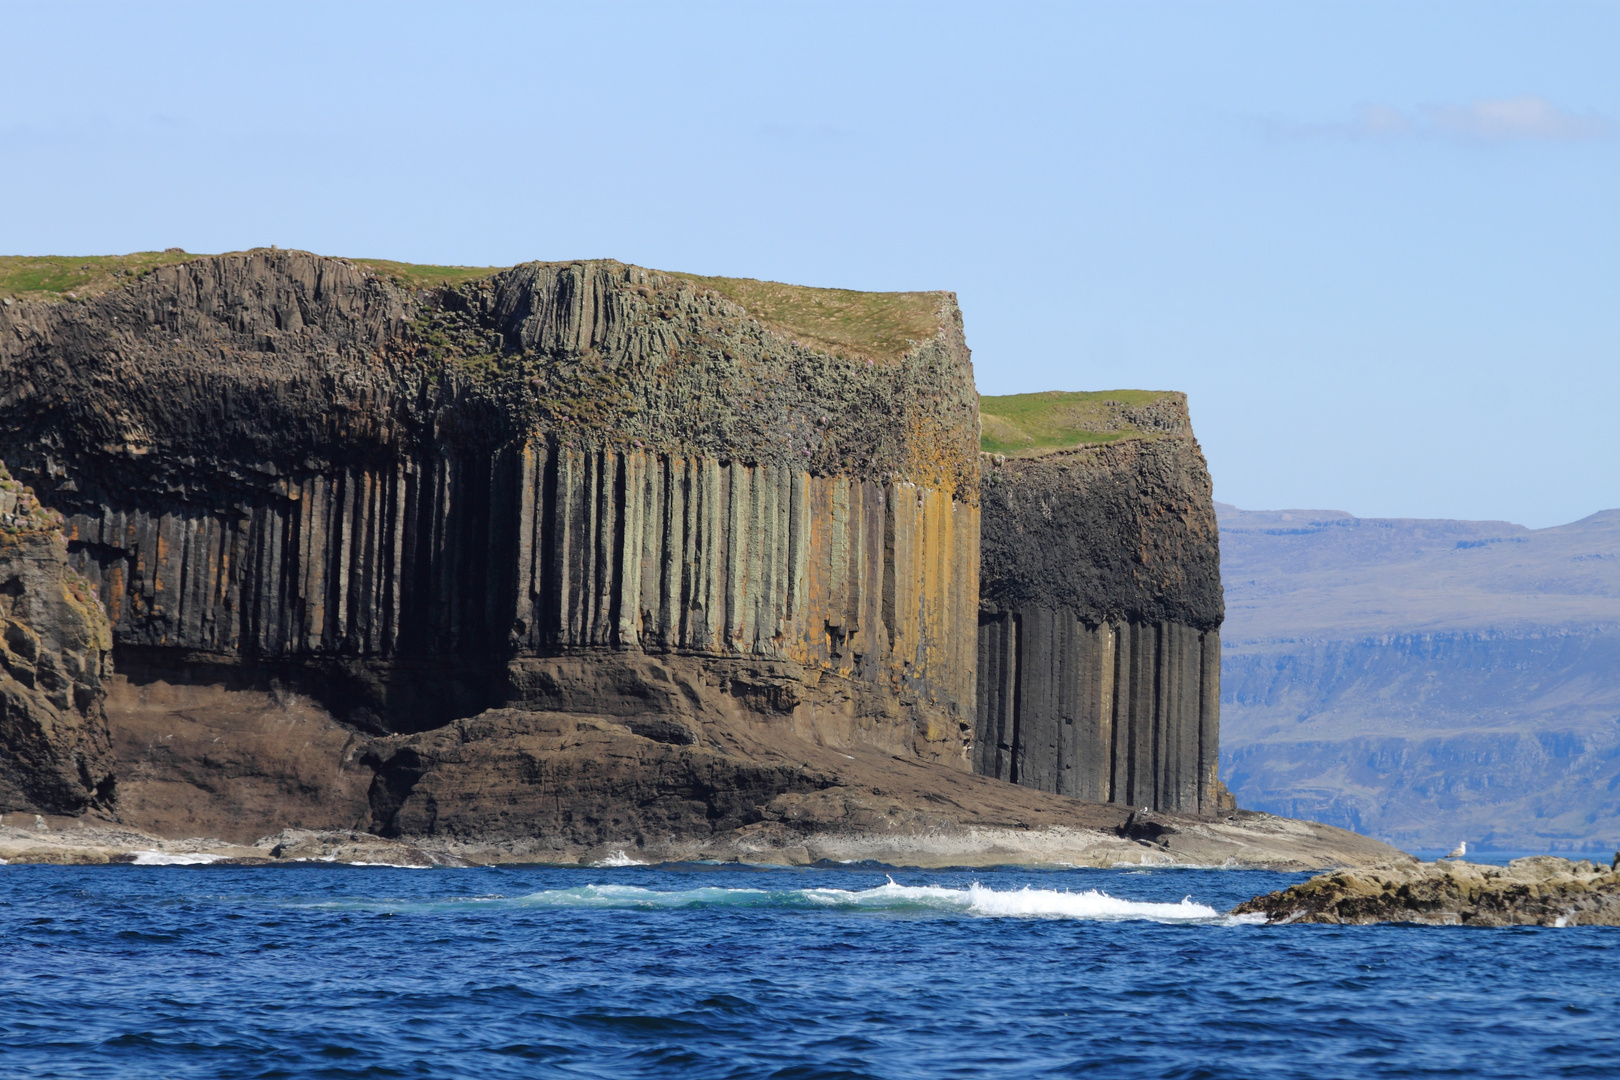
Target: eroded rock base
(269,776)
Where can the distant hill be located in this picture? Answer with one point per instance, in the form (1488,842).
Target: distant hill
(1425,681)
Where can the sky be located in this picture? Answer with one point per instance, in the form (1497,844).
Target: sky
(1377,244)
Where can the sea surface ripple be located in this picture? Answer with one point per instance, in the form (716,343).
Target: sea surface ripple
(723,971)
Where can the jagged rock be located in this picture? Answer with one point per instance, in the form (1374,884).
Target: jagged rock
(1538,891)
(1100,600)
(55,749)
(305,845)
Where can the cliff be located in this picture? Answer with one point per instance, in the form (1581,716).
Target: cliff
(284,459)
(568,558)
(406,496)
(1100,600)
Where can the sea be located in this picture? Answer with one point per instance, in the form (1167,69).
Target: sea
(829,971)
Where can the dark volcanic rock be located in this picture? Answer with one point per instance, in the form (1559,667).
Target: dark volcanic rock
(580,780)
(55,750)
(287,465)
(1100,607)
(322,506)
(1539,891)
(1122,532)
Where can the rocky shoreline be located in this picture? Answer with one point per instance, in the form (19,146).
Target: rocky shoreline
(1542,890)
(1240,840)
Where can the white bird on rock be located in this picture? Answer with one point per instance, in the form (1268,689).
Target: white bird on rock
(1459,851)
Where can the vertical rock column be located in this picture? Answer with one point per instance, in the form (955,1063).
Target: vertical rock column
(545,546)
(1111,712)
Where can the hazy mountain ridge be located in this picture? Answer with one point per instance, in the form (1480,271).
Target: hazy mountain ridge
(1425,680)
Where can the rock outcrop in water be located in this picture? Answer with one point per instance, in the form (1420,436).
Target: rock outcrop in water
(1539,891)
(55,749)
(1100,601)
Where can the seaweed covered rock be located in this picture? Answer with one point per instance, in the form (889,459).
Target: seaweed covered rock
(55,750)
(1539,891)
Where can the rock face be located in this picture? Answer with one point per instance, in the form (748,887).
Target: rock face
(1539,891)
(296,479)
(55,749)
(1100,603)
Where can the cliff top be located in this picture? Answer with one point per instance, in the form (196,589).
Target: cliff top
(880,325)
(1032,425)
(872,324)
(75,277)
(1314,575)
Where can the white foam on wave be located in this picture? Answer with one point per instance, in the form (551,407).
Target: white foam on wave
(164,858)
(975,900)
(617,858)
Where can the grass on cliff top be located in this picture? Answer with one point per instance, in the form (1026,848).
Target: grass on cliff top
(880,326)
(420,276)
(54,276)
(1028,425)
(57,276)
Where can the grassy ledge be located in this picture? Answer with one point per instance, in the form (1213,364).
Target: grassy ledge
(1028,425)
(878,326)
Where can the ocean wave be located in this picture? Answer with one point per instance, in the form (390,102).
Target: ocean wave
(164,858)
(975,900)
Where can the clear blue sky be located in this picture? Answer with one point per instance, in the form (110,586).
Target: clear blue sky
(1377,244)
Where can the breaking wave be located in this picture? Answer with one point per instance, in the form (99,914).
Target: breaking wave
(163,858)
(974,900)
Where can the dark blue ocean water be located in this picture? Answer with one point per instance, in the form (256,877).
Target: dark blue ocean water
(707,971)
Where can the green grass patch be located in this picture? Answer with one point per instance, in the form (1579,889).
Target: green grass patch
(878,326)
(419,276)
(1027,425)
(55,276)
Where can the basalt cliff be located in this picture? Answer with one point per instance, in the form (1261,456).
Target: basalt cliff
(570,557)
(1100,605)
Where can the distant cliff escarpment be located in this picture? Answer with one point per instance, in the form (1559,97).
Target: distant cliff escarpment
(1426,681)
(1100,600)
